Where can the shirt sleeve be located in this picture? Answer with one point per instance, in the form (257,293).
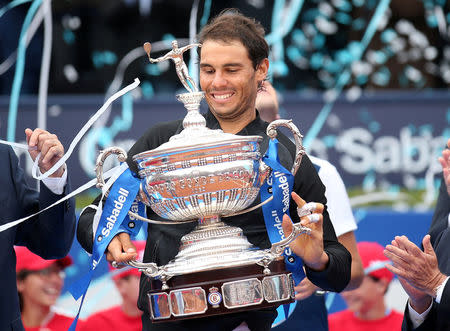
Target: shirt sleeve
(56,184)
(415,317)
(440,290)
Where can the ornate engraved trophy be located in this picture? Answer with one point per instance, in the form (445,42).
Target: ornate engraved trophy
(204,175)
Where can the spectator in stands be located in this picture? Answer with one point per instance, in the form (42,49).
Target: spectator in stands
(39,284)
(366,308)
(126,316)
(312,313)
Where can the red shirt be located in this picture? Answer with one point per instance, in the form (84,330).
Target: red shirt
(347,321)
(56,322)
(112,319)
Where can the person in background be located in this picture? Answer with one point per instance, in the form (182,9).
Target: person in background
(39,284)
(126,316)
(310,312)
(49,234)
(366,308)
(425,274)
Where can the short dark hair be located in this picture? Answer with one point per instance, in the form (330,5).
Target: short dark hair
(231,25)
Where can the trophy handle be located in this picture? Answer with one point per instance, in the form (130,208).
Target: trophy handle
(149,269)
(299,150)
(121,156)
(297,229)
(278,248)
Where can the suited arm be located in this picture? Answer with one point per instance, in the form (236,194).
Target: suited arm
(439,313)
(49,234)
(443,307)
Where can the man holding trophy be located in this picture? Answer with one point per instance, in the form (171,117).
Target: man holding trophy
(224,266)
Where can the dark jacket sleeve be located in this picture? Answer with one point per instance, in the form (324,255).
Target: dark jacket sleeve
(49,234)
(84,230)
(444,306)
(438,318)
(439,222)
(428,324)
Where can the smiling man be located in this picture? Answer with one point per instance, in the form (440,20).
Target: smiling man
(233,65)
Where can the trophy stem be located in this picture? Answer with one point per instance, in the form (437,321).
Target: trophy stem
(191,102)
(213,244)
(207,222)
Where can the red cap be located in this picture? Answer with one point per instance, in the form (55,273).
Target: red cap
(120,273)
(26,260)
(374,261)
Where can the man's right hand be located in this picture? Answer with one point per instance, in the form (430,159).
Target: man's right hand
(121,249)
(305,289)
(308,247)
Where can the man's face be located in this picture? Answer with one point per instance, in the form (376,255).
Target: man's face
(366,296)
(229,79)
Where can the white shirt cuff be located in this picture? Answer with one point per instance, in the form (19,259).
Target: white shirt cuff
(417,318)
(440,290)
(56,184)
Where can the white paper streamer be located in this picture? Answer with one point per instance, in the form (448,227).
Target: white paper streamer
(82,188)
(86,127)
(17,145)
(116,171)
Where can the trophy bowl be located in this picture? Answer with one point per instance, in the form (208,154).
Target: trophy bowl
(203,180)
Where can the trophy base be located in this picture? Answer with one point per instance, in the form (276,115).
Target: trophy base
(221,291)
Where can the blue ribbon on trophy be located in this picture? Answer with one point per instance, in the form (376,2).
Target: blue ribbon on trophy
(279,185)
(114,219)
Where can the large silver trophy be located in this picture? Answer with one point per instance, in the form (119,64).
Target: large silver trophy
(204,175)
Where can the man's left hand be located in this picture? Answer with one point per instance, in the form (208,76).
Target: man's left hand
(50,148)
(308,247)
(419,268)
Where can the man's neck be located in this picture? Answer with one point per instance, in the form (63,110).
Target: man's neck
(235,125)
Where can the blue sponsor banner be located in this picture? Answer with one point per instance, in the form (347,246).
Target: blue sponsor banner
(120,198)
(388,139)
